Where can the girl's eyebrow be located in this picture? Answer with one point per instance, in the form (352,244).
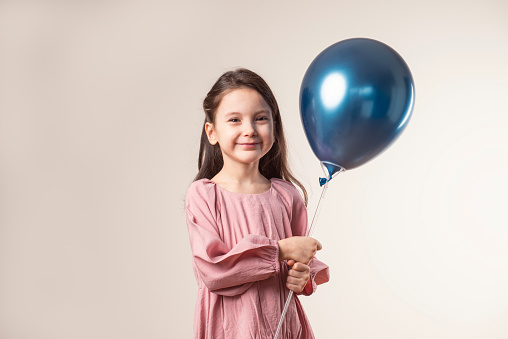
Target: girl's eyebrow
(258,112)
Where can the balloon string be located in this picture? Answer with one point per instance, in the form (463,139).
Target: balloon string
(318,209)
(309,233)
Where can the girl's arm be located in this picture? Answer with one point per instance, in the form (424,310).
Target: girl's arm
(223,270)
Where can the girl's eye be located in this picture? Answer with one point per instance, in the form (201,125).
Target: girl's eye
(237,120)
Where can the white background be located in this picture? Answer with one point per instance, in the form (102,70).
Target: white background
(100,117)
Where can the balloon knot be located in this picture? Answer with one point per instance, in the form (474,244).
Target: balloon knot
(322,181)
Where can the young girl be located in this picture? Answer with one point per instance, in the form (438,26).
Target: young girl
(247,222)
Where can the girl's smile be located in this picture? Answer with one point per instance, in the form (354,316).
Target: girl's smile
(249,145)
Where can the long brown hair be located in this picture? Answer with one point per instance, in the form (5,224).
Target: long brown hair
(273,164)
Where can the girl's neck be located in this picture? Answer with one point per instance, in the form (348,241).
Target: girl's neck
(242,179)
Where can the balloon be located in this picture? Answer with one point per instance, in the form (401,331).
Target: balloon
(356,98)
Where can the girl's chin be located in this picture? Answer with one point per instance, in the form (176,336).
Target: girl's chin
(246,157)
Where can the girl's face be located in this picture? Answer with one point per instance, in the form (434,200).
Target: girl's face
(243,127)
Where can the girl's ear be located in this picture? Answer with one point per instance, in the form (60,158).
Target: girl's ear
(210,133)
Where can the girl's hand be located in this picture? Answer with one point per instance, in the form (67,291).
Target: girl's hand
(298,276)
(300,249)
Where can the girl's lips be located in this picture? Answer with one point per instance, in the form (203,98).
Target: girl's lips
(249,145)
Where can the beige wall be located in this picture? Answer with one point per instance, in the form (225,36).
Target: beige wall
(99,127)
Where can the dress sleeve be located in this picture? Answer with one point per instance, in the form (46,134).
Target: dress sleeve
(319,271)
(224,270)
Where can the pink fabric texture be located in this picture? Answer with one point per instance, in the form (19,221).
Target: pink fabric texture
(242,284)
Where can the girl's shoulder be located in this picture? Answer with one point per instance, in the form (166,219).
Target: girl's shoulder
(201,183)
(285,187)
(202,189)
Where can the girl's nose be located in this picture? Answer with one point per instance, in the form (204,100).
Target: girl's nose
(249,130)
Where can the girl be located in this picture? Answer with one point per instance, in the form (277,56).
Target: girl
(247,222)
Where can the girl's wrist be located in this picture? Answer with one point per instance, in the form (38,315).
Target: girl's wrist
(282,250)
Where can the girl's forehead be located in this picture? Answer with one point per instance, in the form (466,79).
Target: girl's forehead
(243,100)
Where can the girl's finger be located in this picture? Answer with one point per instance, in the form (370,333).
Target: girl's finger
(294,281)
(301,267)
(295,288)
(290,262)
(298,280)
(296,273)
(303,276)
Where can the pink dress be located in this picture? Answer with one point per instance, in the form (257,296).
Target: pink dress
(242,284)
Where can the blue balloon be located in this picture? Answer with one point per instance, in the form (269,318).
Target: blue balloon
(356,98)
